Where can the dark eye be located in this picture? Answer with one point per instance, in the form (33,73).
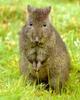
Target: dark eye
(44,25)
(30,24)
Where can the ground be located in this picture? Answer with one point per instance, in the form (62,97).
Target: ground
(65,16)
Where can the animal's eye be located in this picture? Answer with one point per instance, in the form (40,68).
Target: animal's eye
(30,24)
(44,25)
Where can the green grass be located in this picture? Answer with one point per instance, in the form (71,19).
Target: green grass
(66,18)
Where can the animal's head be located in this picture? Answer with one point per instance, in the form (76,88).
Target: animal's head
(38,24)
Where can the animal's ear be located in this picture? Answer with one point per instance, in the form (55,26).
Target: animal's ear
(48,9)
(30,9)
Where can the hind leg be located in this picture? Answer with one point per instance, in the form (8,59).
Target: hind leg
(54,84)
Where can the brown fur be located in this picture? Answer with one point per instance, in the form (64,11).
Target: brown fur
(43,51)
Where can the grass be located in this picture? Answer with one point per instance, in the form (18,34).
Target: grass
(66,18)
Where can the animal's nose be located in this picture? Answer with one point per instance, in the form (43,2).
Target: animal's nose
(36,39)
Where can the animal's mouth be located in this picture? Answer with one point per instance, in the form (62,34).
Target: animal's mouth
(37,44)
